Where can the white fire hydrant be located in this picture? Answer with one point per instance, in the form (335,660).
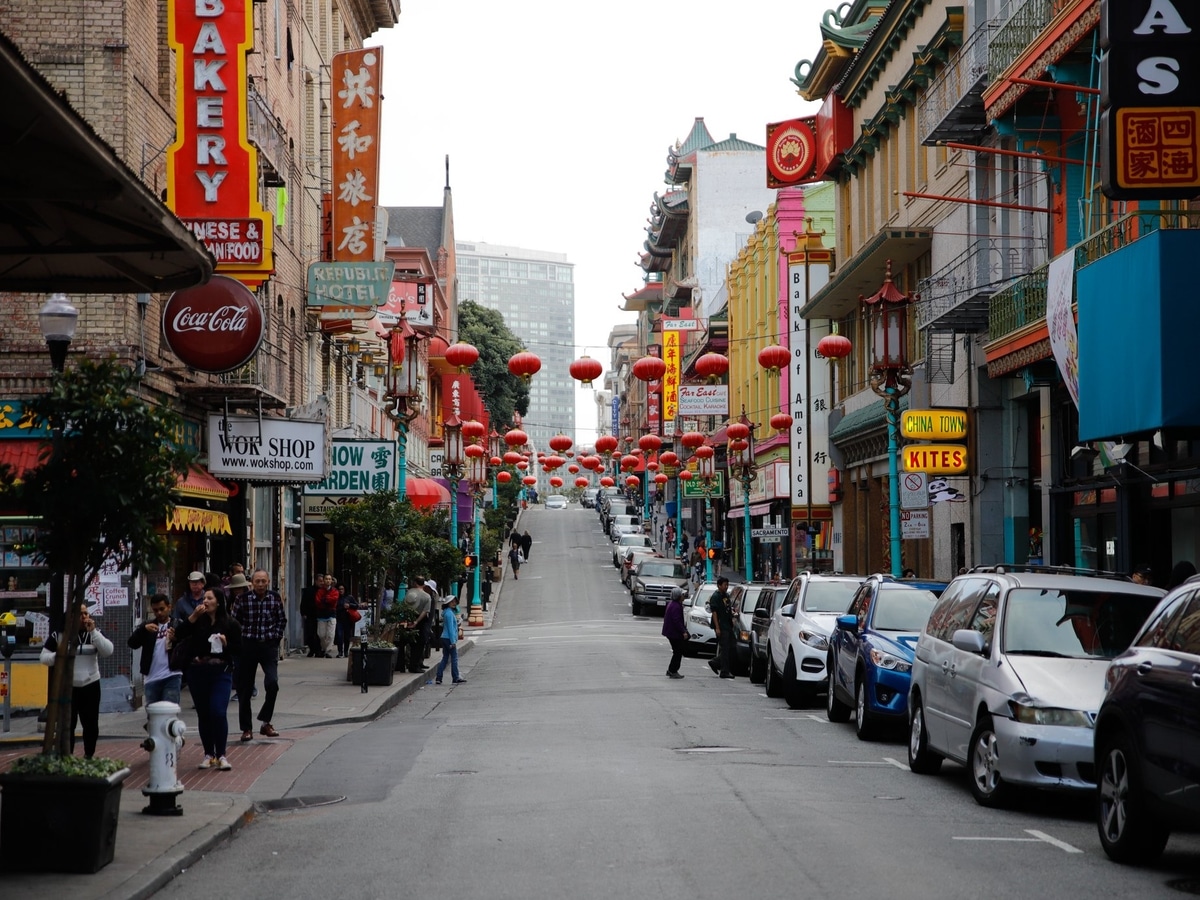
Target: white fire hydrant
(166,738)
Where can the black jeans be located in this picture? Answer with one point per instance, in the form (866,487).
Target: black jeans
(257,653)
(677,647)
(726,650)
(85,708)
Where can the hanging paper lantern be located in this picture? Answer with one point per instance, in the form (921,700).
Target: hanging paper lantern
(685,475)
(669,458)
(561,443)
(606,481)
(504,477)
(529,480)
(523,464)
(781,421)
(632,481)
(774,357)
(516,438)
(524,365)
(474,451)
(512,457)
(495,462)
(581,482)
(573,469)
(737,431)
(585,370)
(473,430)
(738,446)
(704,451)
(462,355)
(834,346)
(660,478)
(652,465)
(649,368)
(712,366)
(556,482)
(692,439)
(629,462)
(649,442)
(606,444)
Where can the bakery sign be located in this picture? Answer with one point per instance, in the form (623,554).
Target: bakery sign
(212,168)
(1150,100)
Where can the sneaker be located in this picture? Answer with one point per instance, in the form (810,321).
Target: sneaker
(437,682)
(674,675)
(222,764)
(210,762)
(460,681)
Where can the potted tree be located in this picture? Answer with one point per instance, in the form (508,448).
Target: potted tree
(103,486)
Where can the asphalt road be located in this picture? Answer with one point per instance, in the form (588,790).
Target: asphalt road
(569,767)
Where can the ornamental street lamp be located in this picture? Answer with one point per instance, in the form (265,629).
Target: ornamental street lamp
(495,451)
(452,466)
(479,480)
(706,468)
(886,313)
(741,465)
(402,395)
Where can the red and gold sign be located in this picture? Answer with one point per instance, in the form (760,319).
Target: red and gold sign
(791,152)
(670,378)
(212,169)
(213,327)
(189,518)
(835,134)
(1158,148)
(357,77)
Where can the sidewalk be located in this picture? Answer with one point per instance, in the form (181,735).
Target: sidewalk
(315,706)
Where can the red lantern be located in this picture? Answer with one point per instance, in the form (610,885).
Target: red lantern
(704,451)
(649,368)
(495,462)
(606,481)
(652,465)
(516,438)
(556,482)
(462,355)
(738,446)
(629,462)
(606,444)
(474,451)
(581,482)
(473,430)
(573,469)
(524,365)
(660,478)
(774,357)
(585,370)
(504,477)
(737,431)
(512,457)
(834,346)
(529,480)
(523,464)
(692,439)
(781,421)
(712,366)
(649,442)
(669,458)
(685,475)
(561,443)
(553,462)
(632,481)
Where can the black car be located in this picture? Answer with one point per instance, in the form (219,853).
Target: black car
(744,600)
(1148,733)
(760,621)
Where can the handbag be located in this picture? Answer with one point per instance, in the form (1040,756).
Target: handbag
(181,656)
(353,614)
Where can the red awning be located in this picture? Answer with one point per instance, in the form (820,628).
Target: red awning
(21,454)
(199,483)
(425,493)
(756,509)
(721,437)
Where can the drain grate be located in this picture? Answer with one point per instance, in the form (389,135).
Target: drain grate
(286,803)
(1185,885)
(710,749)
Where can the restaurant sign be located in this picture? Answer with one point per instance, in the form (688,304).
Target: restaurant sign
(267,449)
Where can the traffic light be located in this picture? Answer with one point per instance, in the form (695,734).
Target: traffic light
(469,561)
(712,554)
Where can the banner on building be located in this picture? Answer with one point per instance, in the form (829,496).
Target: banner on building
(670,380)
(808,380)
(357,78)
(357,468)
(212,168)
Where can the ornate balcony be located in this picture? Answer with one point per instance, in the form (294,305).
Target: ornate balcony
(266,133)
(957,297)
(951,109)
(1018,31)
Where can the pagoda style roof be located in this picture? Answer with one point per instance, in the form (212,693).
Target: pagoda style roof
(843,33)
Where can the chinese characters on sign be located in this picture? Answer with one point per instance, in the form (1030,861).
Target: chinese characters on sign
(670,379)
(357,75)
(808,379)
(357,468)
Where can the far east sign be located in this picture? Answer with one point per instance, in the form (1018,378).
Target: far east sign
(1150,118)
(357,468)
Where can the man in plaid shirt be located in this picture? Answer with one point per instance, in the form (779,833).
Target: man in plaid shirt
(261,614)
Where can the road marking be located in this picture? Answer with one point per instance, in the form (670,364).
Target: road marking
(786,718)
(1039,837)
(1061,845)
(897,763)
(710,750)
(854,762)
(1012,840)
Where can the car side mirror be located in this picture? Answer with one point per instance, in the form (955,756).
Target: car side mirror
(762,613)
(968,641)
(848,623)
(789,611)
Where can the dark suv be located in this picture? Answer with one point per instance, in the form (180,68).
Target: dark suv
(1148,733)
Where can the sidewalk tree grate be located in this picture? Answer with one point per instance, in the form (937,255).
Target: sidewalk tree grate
(286,803)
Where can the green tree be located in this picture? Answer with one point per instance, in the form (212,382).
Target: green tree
(502,391)
(104,486)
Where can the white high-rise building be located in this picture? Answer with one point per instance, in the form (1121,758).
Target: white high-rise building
(535,292)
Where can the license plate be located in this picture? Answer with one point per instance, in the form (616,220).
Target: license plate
(662,602)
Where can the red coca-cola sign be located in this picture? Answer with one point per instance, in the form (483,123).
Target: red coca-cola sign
(215,327)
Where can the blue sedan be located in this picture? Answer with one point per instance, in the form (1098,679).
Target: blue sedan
(871,652)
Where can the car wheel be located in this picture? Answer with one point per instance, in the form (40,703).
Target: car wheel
(758,668)
(1127,832)
(864,721)
(774,686)
(637,608)
(987,784)
(835,709)
(921,759)
(793,692)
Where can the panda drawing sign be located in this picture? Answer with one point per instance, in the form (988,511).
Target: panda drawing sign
(940,491)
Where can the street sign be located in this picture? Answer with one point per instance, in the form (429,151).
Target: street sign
(694,489)
(914,523)
(914,490)
(775,531)
(933,424)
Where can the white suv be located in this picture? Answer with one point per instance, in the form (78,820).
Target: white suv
(798,636)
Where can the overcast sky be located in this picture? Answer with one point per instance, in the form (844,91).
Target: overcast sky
(557,117)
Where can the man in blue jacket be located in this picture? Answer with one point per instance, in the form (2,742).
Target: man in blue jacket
(449,641)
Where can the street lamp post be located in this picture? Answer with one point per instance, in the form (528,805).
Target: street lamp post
(741,465)
(453,469)
(479,478)
(496,451)
(886,312)
(402,396)
(706,468)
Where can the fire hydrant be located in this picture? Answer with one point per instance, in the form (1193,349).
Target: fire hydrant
(165,740)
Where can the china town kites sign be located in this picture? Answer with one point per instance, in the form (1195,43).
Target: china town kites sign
(212,168)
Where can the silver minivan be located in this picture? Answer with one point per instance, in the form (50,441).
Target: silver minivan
(1009,675)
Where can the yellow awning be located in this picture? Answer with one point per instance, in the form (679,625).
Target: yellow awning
(189,518)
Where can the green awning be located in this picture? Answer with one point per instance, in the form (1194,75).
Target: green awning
(870,417)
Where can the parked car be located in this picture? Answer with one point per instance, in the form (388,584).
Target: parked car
(653,580)
(628,540)
(1148,733)
(589,497)
(1008,676)
(760,623)
(744,599)
(871,652)
(556,501)
(623,525)
(630,557)
(697,616)
(798,637)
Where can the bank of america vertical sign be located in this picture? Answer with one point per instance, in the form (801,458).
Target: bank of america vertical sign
(1150,99)
(808,379)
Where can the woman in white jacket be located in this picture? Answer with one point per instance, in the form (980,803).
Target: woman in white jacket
(90,645)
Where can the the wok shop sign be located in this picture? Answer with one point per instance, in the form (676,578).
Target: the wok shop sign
(251,449)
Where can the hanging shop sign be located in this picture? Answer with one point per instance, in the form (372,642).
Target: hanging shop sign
(835,134)
(791,152)
(357,78)
(350,285)
(214,327)
(267,449)
(1150,118)
(357,468)
(672,341)
(212,168)
(704,400)
(809,387)
(668,324)
(933,424)
(934,459)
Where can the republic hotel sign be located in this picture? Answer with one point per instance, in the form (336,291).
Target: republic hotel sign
(1150,99)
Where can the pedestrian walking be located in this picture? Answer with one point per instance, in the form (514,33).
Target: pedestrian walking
(485,586)
(449,641)
(327,601)
(417,599)
(159,680)
(209,640)
(190,598)
(90,645)
(722,621)
(526,544)
(675,631)
(514,560)
(345,623)
(263,618)
(308,615)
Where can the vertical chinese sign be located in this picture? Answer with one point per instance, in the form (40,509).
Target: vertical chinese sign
(670,381)
(809,381)
(212,168)
(357,75)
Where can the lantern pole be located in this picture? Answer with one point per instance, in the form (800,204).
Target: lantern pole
(453,467)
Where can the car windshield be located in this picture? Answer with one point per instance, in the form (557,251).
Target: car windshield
(623,520)
(902,608)
(635,540)
(662,569)
(829,596)
(1076,624)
